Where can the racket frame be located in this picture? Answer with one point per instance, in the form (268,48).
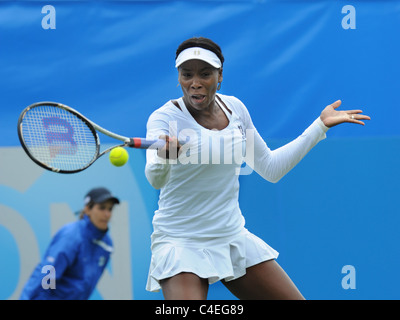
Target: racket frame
(93,127)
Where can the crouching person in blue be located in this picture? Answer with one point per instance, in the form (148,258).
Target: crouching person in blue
(77,255)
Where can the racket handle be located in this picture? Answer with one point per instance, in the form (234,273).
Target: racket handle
(142,143)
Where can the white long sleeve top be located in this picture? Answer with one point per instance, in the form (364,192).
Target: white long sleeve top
(200,190)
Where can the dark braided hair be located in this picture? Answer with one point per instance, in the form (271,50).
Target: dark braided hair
(201,42)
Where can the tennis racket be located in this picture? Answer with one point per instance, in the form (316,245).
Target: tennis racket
(60,139)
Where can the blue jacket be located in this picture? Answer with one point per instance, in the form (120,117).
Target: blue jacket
(79,252)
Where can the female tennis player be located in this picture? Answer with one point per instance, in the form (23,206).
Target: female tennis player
(199,231)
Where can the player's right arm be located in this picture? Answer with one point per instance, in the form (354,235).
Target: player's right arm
(158,168)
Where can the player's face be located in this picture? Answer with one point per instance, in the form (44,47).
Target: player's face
(199,81)
(100,214)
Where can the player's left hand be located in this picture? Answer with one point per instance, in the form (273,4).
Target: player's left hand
(332,117)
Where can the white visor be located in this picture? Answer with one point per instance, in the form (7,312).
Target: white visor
(198,54)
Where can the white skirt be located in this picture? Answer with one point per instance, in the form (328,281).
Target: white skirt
(210,258)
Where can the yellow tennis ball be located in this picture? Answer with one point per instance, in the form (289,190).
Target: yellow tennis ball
(119,156)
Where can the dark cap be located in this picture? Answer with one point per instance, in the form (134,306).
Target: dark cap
(99,195)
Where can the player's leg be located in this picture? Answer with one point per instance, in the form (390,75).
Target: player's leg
(266,280)
(185,286)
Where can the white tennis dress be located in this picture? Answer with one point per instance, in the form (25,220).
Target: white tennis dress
(199,226)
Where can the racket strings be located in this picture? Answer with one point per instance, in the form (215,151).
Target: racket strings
(58,138)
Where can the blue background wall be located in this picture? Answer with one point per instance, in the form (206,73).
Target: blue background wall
(286,60)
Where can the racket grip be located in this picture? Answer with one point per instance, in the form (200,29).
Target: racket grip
(142,143)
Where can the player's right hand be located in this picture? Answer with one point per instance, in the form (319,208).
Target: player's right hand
(171,148)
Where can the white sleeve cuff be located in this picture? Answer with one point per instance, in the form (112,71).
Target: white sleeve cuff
(321,125)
